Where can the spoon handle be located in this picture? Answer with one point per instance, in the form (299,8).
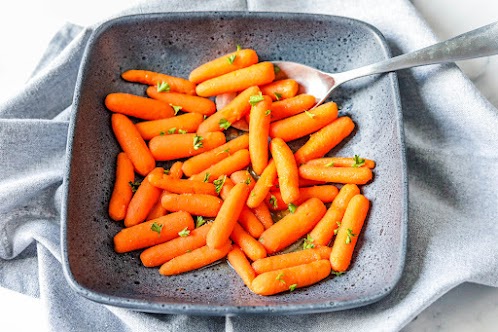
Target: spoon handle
(473,44)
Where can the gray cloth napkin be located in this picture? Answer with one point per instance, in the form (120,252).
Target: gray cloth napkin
(452,153)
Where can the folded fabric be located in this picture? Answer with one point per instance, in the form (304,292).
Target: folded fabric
(451,148)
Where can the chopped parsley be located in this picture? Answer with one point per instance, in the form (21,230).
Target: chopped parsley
(280,277)
(308,242)
(268,112)
(248,181)
(239,47)
(206,177)
(176,108)
(311,115)
(166,171)
(278,95)
(227,151)
(337,273)
(349,235)
(171,130)
(231,59)
(182,131)
(184,232)
(253,100)
(224,123)
(331,164)
(155,227)
(358,162)
(163,87)
(276,69)
(218,184)
(198,142)
(273,201)
(161,133)
(134,185)
(292,208)
(292,287)
(199,221)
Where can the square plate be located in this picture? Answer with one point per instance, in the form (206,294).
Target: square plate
(175,44)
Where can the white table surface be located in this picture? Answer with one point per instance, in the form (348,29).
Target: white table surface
(27,26)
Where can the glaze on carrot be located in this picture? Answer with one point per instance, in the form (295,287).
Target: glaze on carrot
(241,265)
(176,84)
(355,175)
(122,193)
(281,89)
(188,103)
(259,127)
(185,122)
(197,204)
(249,245)
(137,106)
(185,145)
(288,107)
(341,162)
(235,162)
(288,178)
(263,185)
(283,261)
(180,186)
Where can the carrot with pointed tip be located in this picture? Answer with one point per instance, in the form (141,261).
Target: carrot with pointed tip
(249,245)
(179,186)
(263,185)
(262,212)
(288,107)
(122,193)
(354,175)
(243,176)
(176,84)
(325,193)
(281,89)
(282,261)
(158,210)
(241,265)
(288,178)
(237,161)
(137,106)
(185,145)
(197,204)
(259,127)
(187,122)
(342,162)
(186,103)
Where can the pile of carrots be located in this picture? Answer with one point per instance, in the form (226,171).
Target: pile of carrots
(221,197)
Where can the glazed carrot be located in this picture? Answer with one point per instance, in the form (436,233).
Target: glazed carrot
(152,232)
(142,202)
(291,278)
(204,160)
(283,261)
(325,193)
(241,265)
(293,226)
(138,107)
(342,162)
(132,143)
(157,210)
(179,186)
(234,111)
(121,194)
(305,123)
(223,65)
(161,253)
(325,139)
(227,216)
(288,178)
(243,176)
(175,84)
(355,175)
(235,162)
(292,106)
(263,185)
(195,259)
(259,127)
(262,212)
(249,245)
(342,199)
(351,225)
(185,145)
(187,122)
(197,204)
(185,103)
(324,251)
(279,90)
(176,170)
(238,80)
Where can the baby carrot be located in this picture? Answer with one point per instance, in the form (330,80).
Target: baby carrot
(259,127)
(121,194)
(187,122)
(325,193)
(142,202)
(263,185)
(325,139)
(281,89)
(234,111)
(262,212)
(195,259)
(355,175)
(309,183)
(238,80)
(243,176)
(161,253)
(305,123)
(152,232)
(179,186)
(288,179)
(342,199)
(351,225)
(342,162)
(324,251)
(132,143)
(292,106)
(223,65)
(138,107)
(185,145)
(170,83)
(291,278)
(157,210)
(176,170)
(249,245)
(204,160)
(227,216)
(197,204)
(235,162)
(283,261)
(293,226)
(186,103)
(241,265)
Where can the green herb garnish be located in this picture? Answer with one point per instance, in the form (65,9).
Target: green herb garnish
(280,277)
(278,95)
(163,87)
(198,142)
(292,208)
(311,115)
(308,242)
(171,130)
(231,59)
(155,227)
(253,100)
(184,232)
(292,287)
(199,221)
(182,131)
(268,112)
(224,123)
(273,201)
(176,108)
(134,185)
(349,235)
(358,162)
(206,177)
(218,184)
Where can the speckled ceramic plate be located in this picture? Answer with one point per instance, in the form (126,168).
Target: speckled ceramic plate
(175,44)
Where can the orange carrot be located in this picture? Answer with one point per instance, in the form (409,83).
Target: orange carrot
(263,185)
(263,214)
(351,225)
(185,145)
(249,245)
(231,113)
(195,259)
(175,84)
(347,192)
(342,162)
(138,107)
(161,253)
(157,210)
(293,226)
(305,123)
(325,139)
(259,127)
(186,122)
(238,80)
(132,143)
(227,216)
(187,103)
(142,202)
(288,179)
(309,183)
(324,251)
(292,106)
(204,160)
(197,204)
(176,170)
(179,186)
(223,65)
(241,265)
(291,278)
(283,261)
(235,162)
(152,232)
(360,175)
(282,89)
(243,176)
(121,194)
(325,193)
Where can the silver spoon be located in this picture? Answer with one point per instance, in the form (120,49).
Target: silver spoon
(473,44)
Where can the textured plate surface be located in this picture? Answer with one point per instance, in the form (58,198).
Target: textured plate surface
(175,44)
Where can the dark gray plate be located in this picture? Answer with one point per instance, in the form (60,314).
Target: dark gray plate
(175,44)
